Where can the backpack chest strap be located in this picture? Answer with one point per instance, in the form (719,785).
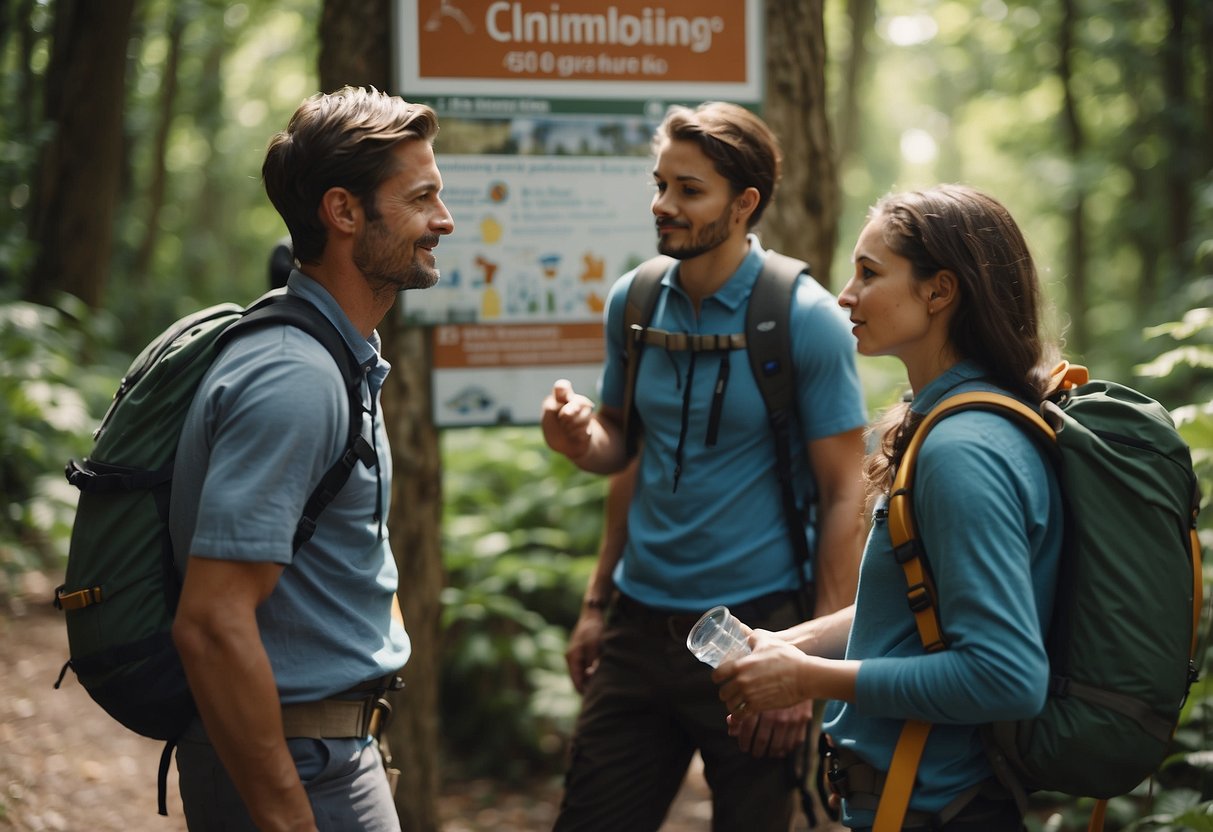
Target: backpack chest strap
(687,341)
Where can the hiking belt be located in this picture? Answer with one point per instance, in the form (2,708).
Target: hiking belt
(343,715)
(862,785)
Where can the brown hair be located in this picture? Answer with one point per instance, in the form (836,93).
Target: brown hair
(998,317)
(342,139)
(739,143)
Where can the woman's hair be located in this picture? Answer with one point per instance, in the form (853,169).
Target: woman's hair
(997,321)
(344,139)
(739,143)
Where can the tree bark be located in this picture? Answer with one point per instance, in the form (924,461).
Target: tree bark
(1181,166)
(142,266)
(355,48)
(1075,144)
(862,14)
(803,221)
(78,178)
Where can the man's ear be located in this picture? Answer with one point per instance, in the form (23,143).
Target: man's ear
(745,204)
(340,211)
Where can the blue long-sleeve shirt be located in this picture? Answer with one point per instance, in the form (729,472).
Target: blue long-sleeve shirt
(988,510)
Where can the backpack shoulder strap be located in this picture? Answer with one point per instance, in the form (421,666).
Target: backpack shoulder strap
(769,350)
(280,308)
(920,589)
(768,330)
(638,311)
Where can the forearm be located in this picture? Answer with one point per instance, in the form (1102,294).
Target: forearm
(246,729)
(839,544)
(831,678)
(614,533)
(837,462)
(229,674)
(825,636)
(606,451)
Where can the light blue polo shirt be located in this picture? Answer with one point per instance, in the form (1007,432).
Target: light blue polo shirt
(270,417)
(988,509)
(721,538)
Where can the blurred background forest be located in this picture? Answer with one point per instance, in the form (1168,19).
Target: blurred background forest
(1092,121)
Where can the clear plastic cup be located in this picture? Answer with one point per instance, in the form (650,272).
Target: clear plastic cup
(717,636)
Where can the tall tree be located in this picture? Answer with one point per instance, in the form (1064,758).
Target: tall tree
(355,48)
(861,15)
(78,179)
(1075,144)
(166,109)
(1179,125)
(803,222)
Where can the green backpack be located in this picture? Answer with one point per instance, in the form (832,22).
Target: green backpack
(1122,644)
(121,585)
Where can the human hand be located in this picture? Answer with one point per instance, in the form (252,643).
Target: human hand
(772,733)
(565,420)
(585,646)
(768,679)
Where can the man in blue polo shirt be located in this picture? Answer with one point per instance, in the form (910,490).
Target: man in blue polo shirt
(281,647)
(704,520)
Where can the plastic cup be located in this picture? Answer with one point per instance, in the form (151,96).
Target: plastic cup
(717,636)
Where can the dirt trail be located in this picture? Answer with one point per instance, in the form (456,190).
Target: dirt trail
(66,766)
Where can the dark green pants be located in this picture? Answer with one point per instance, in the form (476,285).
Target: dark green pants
(649,706)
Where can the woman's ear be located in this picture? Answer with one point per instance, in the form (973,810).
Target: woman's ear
(942,290)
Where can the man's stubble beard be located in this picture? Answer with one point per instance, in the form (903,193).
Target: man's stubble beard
(390,274)
(703,241)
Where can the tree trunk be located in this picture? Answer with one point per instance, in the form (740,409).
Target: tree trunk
(1075,144)
(803,222)
(862,14)
(355,48)
(1181,166)
(78,178)
(157,188)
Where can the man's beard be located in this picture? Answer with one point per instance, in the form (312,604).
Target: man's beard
(701,242)
(388,268)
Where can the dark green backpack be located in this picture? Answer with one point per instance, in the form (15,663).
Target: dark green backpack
(1122,644)
(121,585)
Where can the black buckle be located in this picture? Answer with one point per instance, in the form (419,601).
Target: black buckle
(907,551)
(918,597)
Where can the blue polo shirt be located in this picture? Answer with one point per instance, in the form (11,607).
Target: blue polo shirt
(720,537)
(988,509)
(269,418)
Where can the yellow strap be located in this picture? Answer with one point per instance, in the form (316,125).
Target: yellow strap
(79,599)
(920,593)
(1097,816)
(899,783)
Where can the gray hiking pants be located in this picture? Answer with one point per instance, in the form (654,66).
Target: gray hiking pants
(344,779)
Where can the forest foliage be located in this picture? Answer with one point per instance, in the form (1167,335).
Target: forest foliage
(1090,120)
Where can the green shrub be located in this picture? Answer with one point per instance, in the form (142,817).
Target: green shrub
(520,534)
(48,403)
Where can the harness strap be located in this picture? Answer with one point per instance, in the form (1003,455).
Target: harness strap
(865,787)
(895,798)
(687,341)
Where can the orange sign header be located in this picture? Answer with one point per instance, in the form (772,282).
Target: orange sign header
(582,48)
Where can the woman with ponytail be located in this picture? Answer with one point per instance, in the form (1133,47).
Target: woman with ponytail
(943,281)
